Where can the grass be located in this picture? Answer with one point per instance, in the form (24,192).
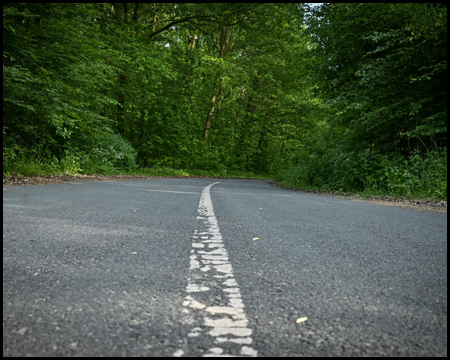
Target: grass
(417,180)
(33,165)
(426,192)
(167,171)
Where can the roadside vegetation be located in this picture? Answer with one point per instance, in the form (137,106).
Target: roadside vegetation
(348,98)
(417,177)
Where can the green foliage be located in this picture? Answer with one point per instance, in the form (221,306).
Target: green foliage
(101,69)
(56,90)
(113,150)
(416,177)
(383,72)
(381,77)
(200,89)
(31,162)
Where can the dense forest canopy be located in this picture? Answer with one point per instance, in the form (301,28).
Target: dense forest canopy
(339,95)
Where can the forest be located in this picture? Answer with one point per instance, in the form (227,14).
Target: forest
(349,97)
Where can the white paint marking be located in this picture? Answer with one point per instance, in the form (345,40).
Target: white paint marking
(193,303)
(178,353)
(224,310)
(246,340)
(209,263)
(175,192)
(248,351)
(198,245)
(216,350)
(196,288)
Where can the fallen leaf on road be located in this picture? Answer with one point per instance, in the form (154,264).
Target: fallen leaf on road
(35,274)
(257,238)
(134,253)
(302,319)
(22,331)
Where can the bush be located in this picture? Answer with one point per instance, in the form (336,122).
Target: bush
(109,154)
(110,151)
(419,176)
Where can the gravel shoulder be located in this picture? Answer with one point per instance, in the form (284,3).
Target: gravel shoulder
(429,205)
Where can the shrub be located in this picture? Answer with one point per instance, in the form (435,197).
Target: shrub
(419,176)
(111,151)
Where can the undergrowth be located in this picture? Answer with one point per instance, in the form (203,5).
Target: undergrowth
(420,176)
(32,163)
(417,177)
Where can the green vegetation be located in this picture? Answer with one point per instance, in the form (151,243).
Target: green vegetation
(343,97)
(417,177)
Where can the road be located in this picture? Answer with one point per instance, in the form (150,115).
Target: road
(214,267)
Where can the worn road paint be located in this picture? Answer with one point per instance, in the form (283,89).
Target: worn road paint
(214,299)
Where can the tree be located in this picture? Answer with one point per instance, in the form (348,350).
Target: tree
(197,86)
(384,71)
(53,96)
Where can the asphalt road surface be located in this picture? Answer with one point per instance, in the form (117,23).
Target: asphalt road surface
(205,267)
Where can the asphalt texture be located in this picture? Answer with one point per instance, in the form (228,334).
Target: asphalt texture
(101,269)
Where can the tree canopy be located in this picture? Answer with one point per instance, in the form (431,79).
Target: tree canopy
(384,67)
(260,88)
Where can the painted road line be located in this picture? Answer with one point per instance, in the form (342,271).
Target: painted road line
(213,295)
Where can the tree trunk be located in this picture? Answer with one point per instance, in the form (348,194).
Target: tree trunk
(211,112)
(136,12)
(190,48)
(209,117)
(120,109)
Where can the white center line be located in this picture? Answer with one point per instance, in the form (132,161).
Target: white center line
(213,293)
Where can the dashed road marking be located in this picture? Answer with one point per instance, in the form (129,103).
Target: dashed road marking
(213,296)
